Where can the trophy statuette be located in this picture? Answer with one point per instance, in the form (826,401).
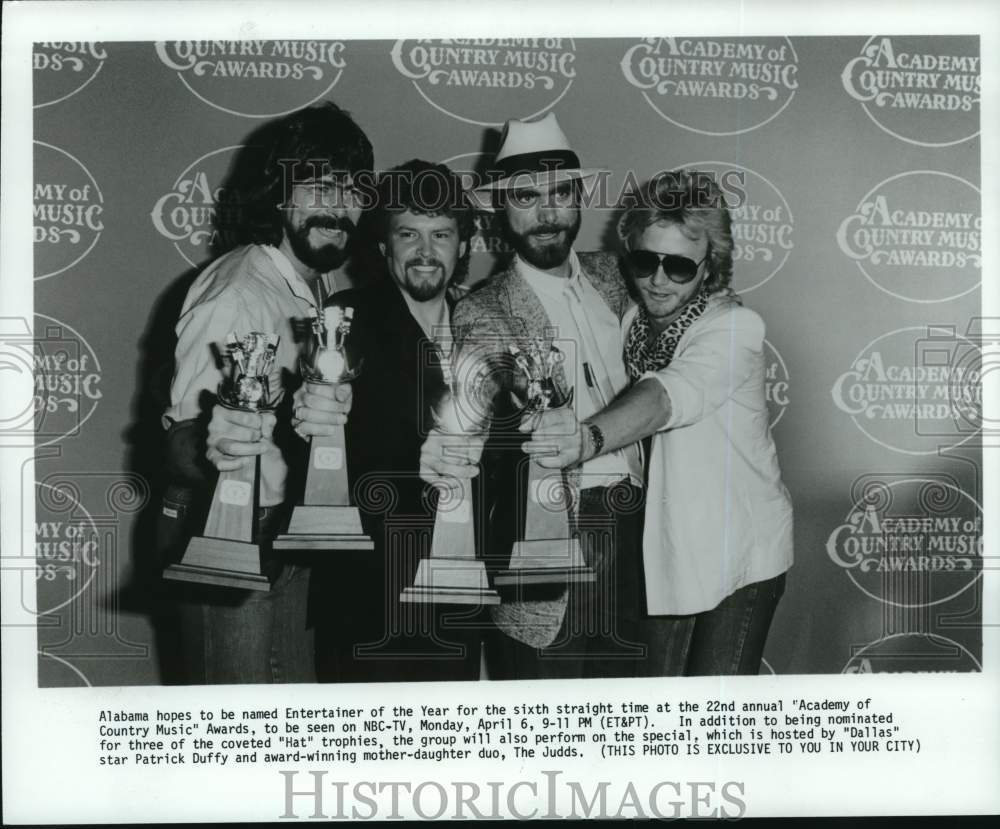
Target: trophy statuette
(326,520)
(548,553)
(452,574)
(228,553)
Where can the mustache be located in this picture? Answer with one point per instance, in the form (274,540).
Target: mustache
(331,223)
(419,262)
(538,230)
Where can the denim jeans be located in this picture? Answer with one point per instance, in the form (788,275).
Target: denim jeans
(229,635)
(599,634)
(727,640)
(364,633)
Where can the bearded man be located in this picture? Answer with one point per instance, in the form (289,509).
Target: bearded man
(574,302)
(305,210)
(401,335)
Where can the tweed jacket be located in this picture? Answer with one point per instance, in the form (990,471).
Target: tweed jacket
(507,311)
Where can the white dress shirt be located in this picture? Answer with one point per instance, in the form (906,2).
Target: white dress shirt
(606,368)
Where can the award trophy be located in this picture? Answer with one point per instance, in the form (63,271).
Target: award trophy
(452,574)
(228,554)
(325,520)
(547,553)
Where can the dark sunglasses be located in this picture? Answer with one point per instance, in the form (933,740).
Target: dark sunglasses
(644,263)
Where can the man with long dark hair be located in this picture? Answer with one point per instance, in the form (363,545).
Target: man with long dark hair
(300,218)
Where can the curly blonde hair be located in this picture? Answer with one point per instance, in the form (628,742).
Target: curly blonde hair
(693,201)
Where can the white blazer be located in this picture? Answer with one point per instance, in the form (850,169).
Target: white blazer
(717,514)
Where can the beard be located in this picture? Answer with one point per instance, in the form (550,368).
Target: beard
(424,288)
(324,257)
(550,253)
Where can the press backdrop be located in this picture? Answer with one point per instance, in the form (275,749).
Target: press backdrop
(854,165)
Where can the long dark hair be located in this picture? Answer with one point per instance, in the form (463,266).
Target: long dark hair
(299,146)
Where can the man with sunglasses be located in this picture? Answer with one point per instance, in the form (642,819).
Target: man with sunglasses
(573,302)
(301,213)
(666,282)
(718,529)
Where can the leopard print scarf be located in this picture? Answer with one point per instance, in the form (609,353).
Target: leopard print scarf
(642,353)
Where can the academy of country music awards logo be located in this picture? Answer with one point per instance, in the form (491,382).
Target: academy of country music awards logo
(917,236)
(909,541)
(763,226)
(926,98)
(762,230)
(197,214)
(80,520)
(714,86)
(68,572)
(53,381)
(61,562)
(914,390)
(67,378)
(473,79)
(67,547)
(255,78)
(775,383)
(61,69)
(923,653)
(487,242)
(67,209)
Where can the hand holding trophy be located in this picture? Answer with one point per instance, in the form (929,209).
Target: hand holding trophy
(452,574)
(228,554)
(325,520)
(547,553)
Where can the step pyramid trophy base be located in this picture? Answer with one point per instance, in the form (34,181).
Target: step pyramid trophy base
(451,581)
(545,561)
(324,528)
(221,562)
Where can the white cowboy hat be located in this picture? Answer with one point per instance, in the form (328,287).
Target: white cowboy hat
(532,153)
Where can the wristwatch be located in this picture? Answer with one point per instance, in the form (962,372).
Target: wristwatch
(596,438)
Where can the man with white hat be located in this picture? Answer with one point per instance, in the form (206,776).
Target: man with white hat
(573,301)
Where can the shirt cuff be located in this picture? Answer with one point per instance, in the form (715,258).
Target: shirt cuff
(674,398)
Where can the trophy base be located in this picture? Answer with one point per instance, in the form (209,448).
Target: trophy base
(220,562)
(324,528)
(545,561)
(451,581)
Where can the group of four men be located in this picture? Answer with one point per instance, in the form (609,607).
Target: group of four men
(339,615)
